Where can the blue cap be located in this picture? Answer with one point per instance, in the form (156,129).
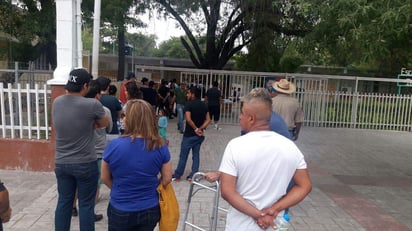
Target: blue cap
(130,75)
(286,217)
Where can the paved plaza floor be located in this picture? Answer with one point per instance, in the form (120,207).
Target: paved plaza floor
(362,180)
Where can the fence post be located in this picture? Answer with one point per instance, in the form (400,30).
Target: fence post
(355,101)
(16,72)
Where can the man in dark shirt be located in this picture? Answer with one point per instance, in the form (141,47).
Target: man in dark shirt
(163,94)
(213,99)
(149,94)
(197,119)
(110,102)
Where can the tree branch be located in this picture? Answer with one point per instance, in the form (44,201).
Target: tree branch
(185,28)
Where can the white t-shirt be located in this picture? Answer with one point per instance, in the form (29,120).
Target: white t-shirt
(264,162)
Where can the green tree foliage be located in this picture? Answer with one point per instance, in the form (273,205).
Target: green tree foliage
(229,26)
(144,45)
(373,34)
(116,15)
(33,24)
(173,48)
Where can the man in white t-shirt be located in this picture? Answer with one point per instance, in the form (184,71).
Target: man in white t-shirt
(256,169)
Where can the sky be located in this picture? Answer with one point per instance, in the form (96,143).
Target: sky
(163,29)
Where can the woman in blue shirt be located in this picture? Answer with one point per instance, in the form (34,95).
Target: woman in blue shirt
(130,168)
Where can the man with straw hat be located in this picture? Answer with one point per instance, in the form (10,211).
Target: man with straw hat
(287,106)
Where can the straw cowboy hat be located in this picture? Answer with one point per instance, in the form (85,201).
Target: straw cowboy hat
(284,86)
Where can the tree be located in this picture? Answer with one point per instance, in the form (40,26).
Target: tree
(33,24)
(232,25)
(173,48)
(117,15)
(144,45)
(374,34)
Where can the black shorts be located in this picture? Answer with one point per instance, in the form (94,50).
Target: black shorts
(214,112)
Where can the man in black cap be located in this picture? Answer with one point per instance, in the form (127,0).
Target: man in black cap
(75,118)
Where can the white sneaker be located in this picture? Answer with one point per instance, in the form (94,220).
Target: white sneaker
(217,127)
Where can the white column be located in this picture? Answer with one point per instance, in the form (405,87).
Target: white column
(66,40)
(96,38)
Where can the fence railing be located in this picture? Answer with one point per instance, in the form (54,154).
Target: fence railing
(25,111)
(357,110)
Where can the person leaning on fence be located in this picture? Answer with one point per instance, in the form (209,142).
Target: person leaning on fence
(130,168)
(287,106)
(5,210)
(256,169)
(75,119)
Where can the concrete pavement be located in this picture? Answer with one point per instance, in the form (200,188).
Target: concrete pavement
(362,181)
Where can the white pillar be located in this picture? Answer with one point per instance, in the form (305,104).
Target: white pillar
(96,38)
(67,41)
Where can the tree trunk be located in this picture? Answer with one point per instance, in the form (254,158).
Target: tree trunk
(121,55)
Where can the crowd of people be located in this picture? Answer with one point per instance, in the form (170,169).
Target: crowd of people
(122,142)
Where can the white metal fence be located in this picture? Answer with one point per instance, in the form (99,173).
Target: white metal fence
(25,111)
(327,101)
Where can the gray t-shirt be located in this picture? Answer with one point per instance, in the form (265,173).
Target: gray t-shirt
(100,135)
(73,120)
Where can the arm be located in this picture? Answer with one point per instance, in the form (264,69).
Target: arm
(5,210)
(166,173)
(297,130)
(299,191)
(101,123)
(212,176)
(106,175)
(229,193)
(206,123)
(110,124)
(189,120)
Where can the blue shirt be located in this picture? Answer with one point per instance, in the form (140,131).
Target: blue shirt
(134,171)
(278,125)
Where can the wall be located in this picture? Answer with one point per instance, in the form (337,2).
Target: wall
(31,155)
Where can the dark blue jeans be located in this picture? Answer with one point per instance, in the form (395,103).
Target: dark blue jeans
(180,116)
(189,142)
(145,220)
(70,177)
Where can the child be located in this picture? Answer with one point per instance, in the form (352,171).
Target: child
(162,122)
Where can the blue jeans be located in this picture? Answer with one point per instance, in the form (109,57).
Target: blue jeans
(70,177)
(180,116)
(125,221)
(189,142)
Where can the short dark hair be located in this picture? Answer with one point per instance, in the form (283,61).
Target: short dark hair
(151,83)
(196,91)
(133,91)
(94,89)
(215,84)
(104,82)
(112,90)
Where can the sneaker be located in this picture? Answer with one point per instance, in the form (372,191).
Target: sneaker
(176,179)
(189,178)
(217,127)
(98,217)
(74,212)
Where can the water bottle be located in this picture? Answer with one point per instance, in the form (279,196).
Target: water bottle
(282,222)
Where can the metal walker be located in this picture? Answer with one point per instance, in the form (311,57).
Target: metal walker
(214,187)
